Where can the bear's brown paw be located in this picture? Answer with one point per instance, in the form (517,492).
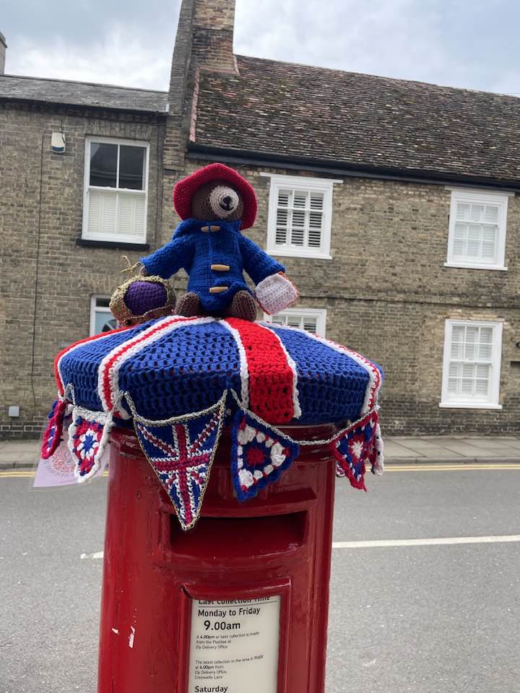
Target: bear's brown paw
(242,306)
(189,306)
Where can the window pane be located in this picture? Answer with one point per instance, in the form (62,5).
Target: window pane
(483,371)
(455,370)
(281,237)
(300,199)
(463,211)
(310,324)
(456,350)
(279,319)
(283,198)
(472,334)
(477,212)
(104,322)
(317,201)
(103,165)
(468,370)
(458,333)
(294,321)
(131,167)
(491,214)
(281,217)
(486,335)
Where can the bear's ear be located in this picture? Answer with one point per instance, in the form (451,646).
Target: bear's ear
(217,200)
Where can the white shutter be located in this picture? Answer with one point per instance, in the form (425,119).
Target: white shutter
(102,213)
(131,219)
(316,219)
(300,216)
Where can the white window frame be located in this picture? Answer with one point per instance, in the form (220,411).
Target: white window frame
(479,197)
(496,360)
(115,238)
(304,183)
(99,309)
(319,313)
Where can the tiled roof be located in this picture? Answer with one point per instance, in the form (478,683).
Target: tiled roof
(275,108)
(13,87)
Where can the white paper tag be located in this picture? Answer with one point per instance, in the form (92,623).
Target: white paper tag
(234,646)
(58,469)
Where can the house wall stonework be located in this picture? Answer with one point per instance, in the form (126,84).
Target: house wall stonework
(47,279)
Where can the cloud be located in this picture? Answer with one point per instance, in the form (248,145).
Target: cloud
(452,42)
(119,58)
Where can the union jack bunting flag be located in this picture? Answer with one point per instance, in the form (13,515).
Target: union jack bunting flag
(181,452)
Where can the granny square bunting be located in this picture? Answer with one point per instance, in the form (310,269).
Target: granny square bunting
(181,452)
(88,436)
(259,454)
(54,429)
(354,446)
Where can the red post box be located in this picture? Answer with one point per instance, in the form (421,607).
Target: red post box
(238,604)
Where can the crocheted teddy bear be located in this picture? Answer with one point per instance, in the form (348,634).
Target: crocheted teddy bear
(216,204)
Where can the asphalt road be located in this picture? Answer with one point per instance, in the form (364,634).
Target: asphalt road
(422,618)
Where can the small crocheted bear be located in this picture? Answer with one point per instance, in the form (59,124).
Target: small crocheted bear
(215,205)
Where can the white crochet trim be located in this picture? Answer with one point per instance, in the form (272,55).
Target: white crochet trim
(310,443)
(244,372)
(128,349)
(297,411)
(275,293)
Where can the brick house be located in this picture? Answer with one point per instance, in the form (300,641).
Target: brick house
(392,203)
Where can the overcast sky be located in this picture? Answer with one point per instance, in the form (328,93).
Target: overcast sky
(463,43)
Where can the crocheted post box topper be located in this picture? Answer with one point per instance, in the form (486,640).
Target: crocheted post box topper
(180,380)
(216,204)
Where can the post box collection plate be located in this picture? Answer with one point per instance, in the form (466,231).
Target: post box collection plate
(234,644)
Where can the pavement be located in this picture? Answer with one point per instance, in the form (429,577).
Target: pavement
(398,450)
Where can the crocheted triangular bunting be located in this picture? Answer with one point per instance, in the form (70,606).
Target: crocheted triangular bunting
(356,446)
(88,436)
(181,452)
(259,455)
(54,430)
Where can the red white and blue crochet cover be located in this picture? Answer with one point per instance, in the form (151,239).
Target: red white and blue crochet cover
(179,380)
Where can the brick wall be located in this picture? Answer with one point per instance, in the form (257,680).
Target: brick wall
(47,279)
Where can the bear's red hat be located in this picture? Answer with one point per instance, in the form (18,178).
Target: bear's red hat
(185,188)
